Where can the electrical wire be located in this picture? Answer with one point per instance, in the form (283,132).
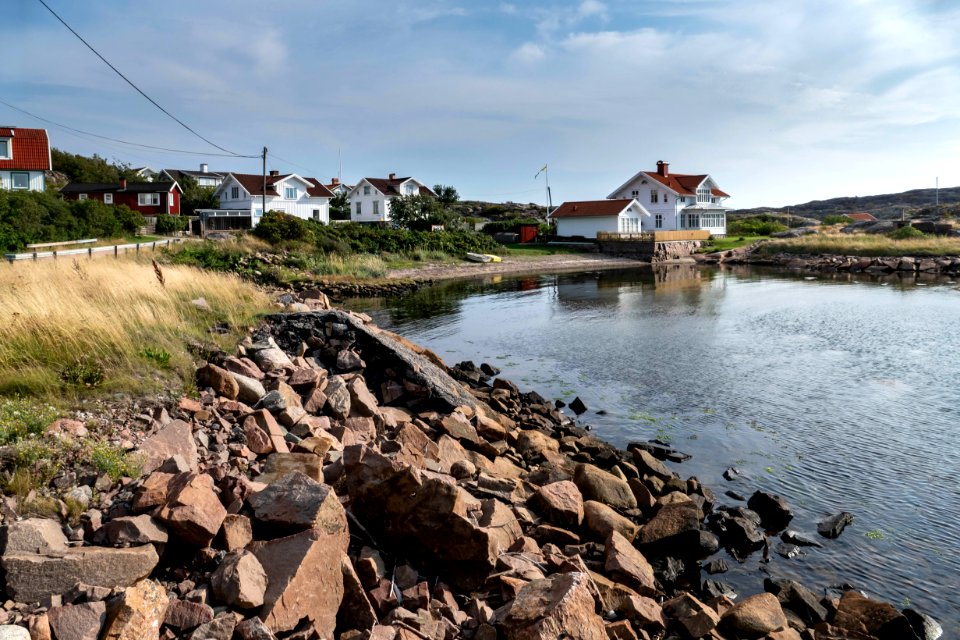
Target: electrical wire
(132,144)
(140,91)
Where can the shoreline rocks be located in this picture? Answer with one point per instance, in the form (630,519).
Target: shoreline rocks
(367,494)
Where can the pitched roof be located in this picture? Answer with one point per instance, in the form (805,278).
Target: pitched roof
(861,217)
(194,174)
(684,184)
(30,149)
(318,190)
(108,187)
(591,208)
(389,186)
(253,183)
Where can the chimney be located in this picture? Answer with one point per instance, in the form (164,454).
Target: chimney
(274,173)
(336,181)
(123,183)
(204,167)
(663,168)
(393,176)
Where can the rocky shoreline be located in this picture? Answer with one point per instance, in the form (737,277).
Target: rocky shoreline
(905,266)
(334,480)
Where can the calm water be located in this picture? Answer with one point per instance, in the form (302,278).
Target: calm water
(837,394)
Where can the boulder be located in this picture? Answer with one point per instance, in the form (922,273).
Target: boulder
(173,439)
(755,616)
(237,531)
(33,577)
(33,535)
(138,614)
(738,529)
(649,466)
(697,619)
(304,580)
(77,621)
(140,529)
(254,629)
(596,484)
(338,398)
(860,617)
(775,514)
(272,359)
(833,526)
(193,513)
(362,402)
(220,380)
(185,615)
(256,438)
(152,492)
(669,522)
(557,607)
(220,628)
(239,581)
(249,390)
(13,632)
(265,420)
(297,502)
(601,520)
(627,565)
(280,465)
(560,502)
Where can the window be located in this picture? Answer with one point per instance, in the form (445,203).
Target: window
(257,213)
(5,148)
(410,189)
(290,193)
(20,179)
(376,207)
(654,196)
(359,210)
(149,200)
(108,198)
(235,193)
(82,196)
(316,214)
(658,220)
(635,193)
(703,193)
(366,190)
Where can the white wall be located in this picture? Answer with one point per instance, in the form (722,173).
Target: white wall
(366,204)
(587,227)
(303,207)
(37,180)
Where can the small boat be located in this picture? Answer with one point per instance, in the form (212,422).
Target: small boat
(493,258)
(478,257)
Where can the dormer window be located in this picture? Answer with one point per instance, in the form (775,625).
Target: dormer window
(410,189)
(703,193)
(291,193)
(6,152)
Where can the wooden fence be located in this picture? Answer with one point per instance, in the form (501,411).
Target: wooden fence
(656,236)
(116,250)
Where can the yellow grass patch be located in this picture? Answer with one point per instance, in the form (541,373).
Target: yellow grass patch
(65,323)
(864,245)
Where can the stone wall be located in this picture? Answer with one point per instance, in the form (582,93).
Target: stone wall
(652,251)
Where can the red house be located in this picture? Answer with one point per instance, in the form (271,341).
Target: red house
(149,198)
(24,158)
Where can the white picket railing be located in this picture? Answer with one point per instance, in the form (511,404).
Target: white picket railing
(116,250)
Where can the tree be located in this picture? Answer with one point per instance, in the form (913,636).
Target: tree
(82,169)
(446,194)
(196,197)
(340,206)
(418,213)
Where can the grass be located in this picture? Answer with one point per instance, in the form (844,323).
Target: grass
(730,242)
(864,245)
(537,250)
(70,328)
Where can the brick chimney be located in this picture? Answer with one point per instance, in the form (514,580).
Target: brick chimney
(123,183)
(393,176)
(274,172)
(335,181)
(663,168)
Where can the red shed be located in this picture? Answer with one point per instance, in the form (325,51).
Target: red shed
(149,198)
(528,232)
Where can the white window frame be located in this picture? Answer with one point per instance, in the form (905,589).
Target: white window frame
(410,189)
(108,198)
(13,180)
(366,189)
(654,196)
(658,221)
(234,193)
(82,196)
(703,194)
(359,208)
(376,207)
(635,193)
(8,154)
(148,199)
(290,193)
(316,214)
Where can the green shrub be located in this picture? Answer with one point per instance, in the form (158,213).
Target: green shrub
(358,238)
(836,219)
(157,355)
(167,224)
(276,227)
(114,461)
(508,226)
(906,232)
(20,418)
(83,372)
(762,225)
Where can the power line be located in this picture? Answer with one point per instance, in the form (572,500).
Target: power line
(127,80)
(290,162)
(132,144)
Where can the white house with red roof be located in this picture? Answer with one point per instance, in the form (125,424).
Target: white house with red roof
(677,201)
(24,158)
(242,198)
(371,197)
(586,219)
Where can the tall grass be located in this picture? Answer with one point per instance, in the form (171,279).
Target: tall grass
(69,325)
(864,245)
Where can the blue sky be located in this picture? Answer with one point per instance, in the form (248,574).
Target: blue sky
(781,102)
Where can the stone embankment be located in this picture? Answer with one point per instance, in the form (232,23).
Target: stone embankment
(906,265)
(333,480)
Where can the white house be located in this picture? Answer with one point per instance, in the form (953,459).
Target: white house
(241,200)
(370,199)
(204,177)
(24,158)
(336,187)
(586,219)
(676,200)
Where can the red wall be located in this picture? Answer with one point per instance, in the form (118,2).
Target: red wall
(132,200)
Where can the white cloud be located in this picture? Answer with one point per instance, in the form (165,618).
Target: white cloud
(507,8)
(529,53)
(589,8)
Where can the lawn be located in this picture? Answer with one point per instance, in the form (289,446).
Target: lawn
(730,242)
(537,250)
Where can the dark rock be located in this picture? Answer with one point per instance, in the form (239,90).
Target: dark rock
(773,510)
(577,406)
(738,529)
(798,599)
(716,566)
(833,526)
(788,551)
(297,502)
(799,539)
(923,625)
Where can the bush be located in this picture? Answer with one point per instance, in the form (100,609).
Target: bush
(20,418)
(836,219)
(508,226)
(276,227)
(167,224)
(358,238)
(755,226)
(906,232)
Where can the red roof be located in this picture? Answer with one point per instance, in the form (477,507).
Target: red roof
(389,186)
(591,209)
(684,184)
(30,147)
(318,190)
(861,217)
(253,183)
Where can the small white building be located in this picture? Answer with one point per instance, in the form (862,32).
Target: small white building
(242,200)
(205,178)
(586,219)
(677,201)
(370,199)
(24,158)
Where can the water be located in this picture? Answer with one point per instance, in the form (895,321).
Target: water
(836,393)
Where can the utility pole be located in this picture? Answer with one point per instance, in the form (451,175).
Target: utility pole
(263,200)
(938,196)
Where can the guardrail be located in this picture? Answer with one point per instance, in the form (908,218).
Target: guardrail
(43,245)
(116,250)
(656,236)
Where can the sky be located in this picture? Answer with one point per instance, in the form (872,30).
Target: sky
(780,102)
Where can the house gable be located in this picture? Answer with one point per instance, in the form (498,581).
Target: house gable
(24,149)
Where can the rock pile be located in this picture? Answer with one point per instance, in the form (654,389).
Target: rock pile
(334,481)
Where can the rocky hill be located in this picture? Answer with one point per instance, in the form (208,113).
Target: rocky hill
(914,203)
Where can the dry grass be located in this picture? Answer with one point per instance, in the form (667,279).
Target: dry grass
(863,245)
(101,322)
